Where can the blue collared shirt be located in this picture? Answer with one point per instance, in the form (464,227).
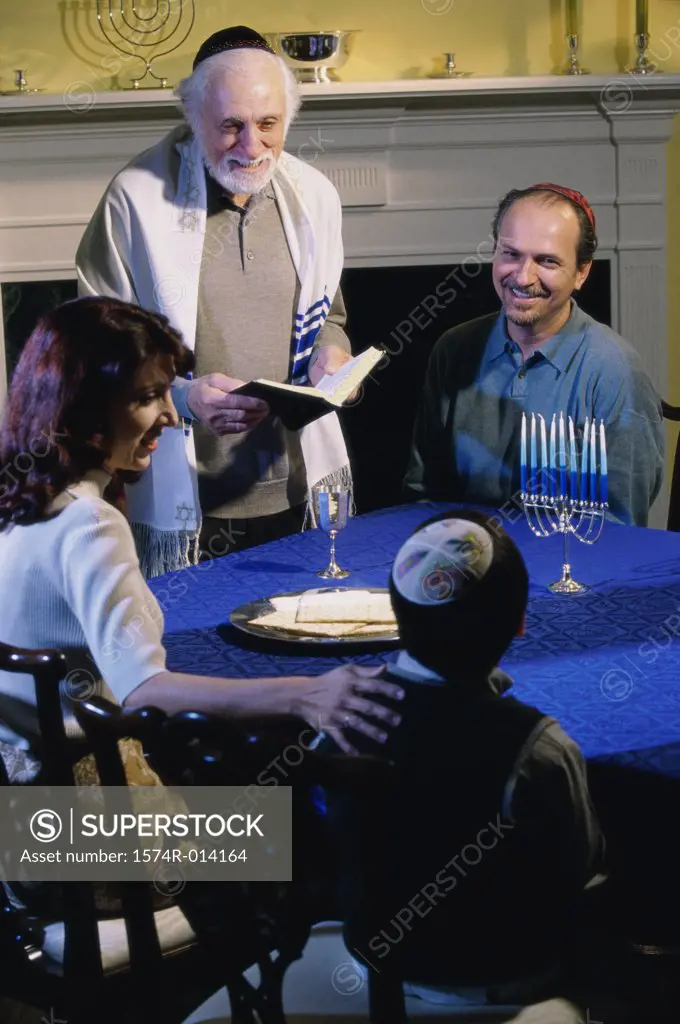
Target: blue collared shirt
(466,443)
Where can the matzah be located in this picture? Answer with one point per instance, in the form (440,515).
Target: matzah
(286,621)
(371,628)
(357,606)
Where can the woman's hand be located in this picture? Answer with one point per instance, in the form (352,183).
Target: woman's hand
(335,701)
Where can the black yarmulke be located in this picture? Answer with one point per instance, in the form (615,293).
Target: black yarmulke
(239,37)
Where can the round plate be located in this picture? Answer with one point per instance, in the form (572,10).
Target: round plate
(245,618)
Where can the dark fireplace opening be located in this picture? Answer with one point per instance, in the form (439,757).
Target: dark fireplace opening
(387,307)
(405,310)
(23,304)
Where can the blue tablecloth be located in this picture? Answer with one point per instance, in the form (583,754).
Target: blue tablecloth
(606,664)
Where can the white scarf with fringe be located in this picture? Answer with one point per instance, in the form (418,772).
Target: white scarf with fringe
(144,245)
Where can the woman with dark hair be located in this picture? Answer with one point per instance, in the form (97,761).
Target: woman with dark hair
(89,398)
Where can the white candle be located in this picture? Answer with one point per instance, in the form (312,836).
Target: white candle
(523,456)
(544,457)
(563,459)
(572,461)
(553,460)
(584,462)
(593,463)
(604,481)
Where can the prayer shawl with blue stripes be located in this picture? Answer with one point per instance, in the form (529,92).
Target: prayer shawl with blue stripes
(144,244)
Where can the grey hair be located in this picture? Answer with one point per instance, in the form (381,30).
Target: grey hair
(191,90)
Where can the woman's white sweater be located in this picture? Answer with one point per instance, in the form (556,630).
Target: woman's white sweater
(73,582)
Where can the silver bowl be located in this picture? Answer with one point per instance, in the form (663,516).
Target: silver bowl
(313,56)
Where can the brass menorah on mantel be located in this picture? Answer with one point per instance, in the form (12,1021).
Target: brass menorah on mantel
(126,27)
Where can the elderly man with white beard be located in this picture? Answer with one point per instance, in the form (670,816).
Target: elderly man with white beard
(240,245)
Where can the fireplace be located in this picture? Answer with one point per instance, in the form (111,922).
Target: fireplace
(422,302)
(420,166)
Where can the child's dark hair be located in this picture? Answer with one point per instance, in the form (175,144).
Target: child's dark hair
(466,638)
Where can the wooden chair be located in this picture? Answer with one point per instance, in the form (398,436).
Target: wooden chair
(144,966)
(672,413)
(191,748)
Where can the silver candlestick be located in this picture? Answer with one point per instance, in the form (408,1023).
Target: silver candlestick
(21,86)
(450,68)
(643,65)
(121,22)
(573,67)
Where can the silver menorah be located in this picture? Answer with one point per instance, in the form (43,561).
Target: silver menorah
(563,496)
(126,28)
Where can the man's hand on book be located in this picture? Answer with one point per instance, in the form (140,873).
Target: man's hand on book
(327,360)
(210,401)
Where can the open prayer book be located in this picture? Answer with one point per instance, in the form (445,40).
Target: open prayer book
(296,405)
(348,613)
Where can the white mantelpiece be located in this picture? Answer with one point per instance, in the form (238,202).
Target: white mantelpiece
(420,166)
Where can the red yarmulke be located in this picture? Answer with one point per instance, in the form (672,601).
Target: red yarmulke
(570,193)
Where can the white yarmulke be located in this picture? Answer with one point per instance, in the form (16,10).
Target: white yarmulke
(437,562)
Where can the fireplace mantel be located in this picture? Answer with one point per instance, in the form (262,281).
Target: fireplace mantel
(420,166)
(81,96)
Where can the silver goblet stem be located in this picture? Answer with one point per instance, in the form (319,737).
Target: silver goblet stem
(333,570)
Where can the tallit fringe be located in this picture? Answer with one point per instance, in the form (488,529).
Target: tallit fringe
(162,551)
(341,479)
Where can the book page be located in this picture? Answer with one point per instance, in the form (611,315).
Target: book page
(338,386)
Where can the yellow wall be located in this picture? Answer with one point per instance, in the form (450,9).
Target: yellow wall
(60,44)
(59,41)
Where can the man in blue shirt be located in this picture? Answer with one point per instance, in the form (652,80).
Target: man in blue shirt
(541,354)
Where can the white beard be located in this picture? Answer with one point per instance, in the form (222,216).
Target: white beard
(242,183)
